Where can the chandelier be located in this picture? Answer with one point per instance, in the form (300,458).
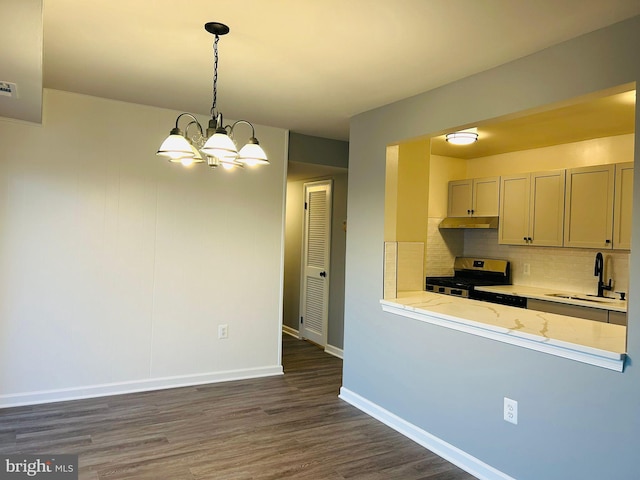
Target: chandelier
(217,147)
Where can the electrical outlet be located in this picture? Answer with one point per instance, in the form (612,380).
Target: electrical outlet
(223,331)
(527,269)
(511,410)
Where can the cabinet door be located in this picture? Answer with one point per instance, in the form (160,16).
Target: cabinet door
(588,220)
(486,197)
(546,215)
(588,313)
(513,228)
(617,318)
(623,206)
(460,198)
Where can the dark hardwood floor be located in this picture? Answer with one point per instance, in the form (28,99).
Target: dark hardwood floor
(291,426)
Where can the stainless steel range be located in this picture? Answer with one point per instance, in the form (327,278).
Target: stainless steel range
(470,273)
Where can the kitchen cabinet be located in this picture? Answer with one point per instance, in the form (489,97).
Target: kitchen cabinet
(622,206)
(618,318)
(532,209)
(588,313)
(477,197)
(588,216)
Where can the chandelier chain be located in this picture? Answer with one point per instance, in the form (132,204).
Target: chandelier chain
(215,75)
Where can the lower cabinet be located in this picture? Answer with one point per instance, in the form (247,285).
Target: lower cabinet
(619,318)
(588,313)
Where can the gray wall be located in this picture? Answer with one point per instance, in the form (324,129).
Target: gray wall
(333,153)
(318,150)
(575,420)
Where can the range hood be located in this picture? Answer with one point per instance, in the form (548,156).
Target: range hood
(469,222)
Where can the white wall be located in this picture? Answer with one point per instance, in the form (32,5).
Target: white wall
(21,34)
(116,267)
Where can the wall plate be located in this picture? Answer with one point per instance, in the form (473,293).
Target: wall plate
(8,89)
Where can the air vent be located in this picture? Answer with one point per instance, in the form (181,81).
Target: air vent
(8,89)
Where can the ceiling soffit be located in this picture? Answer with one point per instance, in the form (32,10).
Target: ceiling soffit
(605,116)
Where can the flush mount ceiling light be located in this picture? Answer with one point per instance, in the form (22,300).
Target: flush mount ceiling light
(463,137)
(217,146)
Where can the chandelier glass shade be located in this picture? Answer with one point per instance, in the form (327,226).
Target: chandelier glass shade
(217,146)
(176,146)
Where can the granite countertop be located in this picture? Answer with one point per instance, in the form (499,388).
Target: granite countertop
(597,343)
(559,296)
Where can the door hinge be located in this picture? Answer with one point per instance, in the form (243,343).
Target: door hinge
(301,320)
(305,205)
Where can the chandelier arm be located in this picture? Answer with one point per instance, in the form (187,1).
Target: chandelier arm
(198,138)
(194,122)
(253,130)
(188,115)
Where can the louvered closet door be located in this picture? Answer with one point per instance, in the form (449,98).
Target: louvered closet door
(314,302)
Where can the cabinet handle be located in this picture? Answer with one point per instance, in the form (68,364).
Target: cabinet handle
(607,242)
(524,238)
(530,239)
(472,211)
(468,212)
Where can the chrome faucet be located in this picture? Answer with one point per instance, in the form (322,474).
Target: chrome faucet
(599,272)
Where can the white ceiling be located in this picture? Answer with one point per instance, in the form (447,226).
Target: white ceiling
(304,65)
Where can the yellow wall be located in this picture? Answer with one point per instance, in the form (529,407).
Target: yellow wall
(407,192)
(391,194)
(598,151)
(413,191)
(441,171)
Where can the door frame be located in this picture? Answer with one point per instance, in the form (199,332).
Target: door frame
(304,252)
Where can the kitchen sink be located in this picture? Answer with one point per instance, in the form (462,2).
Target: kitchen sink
(582,298)
(595,298)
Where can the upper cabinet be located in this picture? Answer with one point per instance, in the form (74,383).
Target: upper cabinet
(478,197)
(532,209)
(460,198)
(513,228)
(623,201)
(586,207)
(589,198)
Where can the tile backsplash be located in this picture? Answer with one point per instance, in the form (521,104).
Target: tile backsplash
(560,268)
(443,246)
(569,269)
(403,267)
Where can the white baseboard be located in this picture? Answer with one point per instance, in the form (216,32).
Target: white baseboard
(92,391)
(461,459)
(290,331)
(335,351)
(330,349)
